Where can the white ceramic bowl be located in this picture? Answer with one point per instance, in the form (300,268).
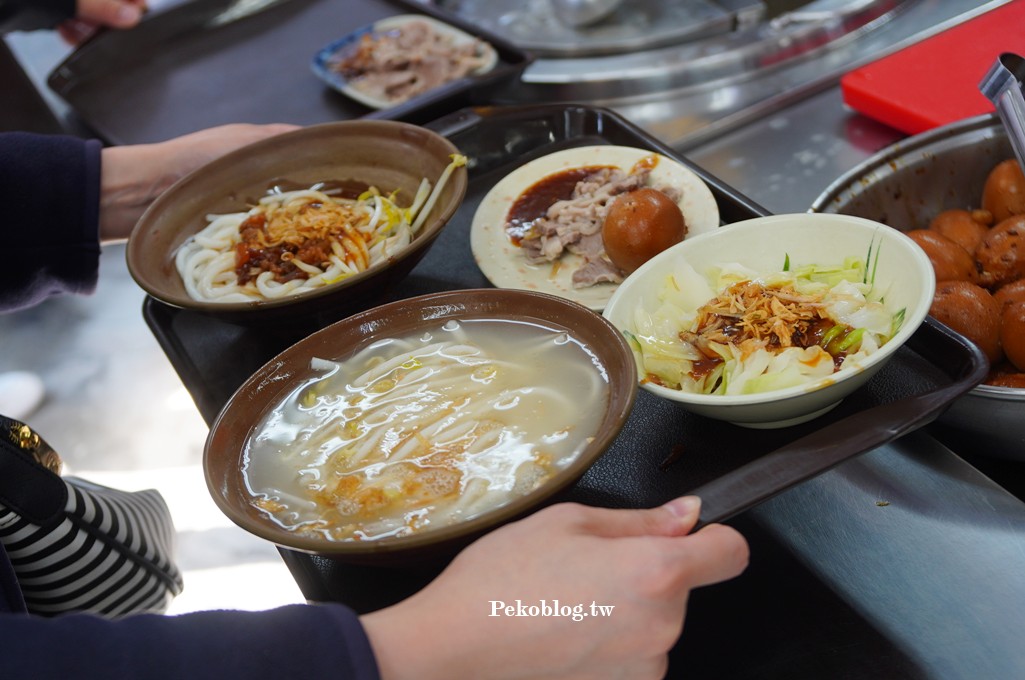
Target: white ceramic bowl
(762,244)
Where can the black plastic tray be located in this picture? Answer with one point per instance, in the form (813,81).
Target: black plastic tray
(662,451)
(189,68)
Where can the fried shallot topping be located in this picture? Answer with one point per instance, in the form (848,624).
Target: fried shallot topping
(752,314)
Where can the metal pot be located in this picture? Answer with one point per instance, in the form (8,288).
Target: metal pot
(904,186)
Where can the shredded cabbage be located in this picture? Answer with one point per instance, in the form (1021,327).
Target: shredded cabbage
(680,349)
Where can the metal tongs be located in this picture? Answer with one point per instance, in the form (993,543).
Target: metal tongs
(1002,85)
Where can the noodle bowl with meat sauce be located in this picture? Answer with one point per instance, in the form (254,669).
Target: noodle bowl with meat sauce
(427,431)
(297,241)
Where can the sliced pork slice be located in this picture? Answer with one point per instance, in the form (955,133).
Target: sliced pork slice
(588,246)
(406,62)
(596,271)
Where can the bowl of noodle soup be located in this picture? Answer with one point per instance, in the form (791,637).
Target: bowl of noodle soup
(316,222)
(407,430)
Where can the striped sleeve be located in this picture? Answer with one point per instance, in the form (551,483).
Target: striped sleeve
(112,554)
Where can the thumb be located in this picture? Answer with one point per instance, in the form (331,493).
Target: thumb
(113,13)
(675,518)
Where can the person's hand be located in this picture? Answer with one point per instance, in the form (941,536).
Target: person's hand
(131,177)
(92,14)
(639,565)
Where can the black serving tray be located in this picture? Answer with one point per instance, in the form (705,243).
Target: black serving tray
(198,65)
(663,451)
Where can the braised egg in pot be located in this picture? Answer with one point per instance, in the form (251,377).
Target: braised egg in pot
(971,311)
(950,261)
(1003,194)
(963,227)
(1001,255)
(1012,333)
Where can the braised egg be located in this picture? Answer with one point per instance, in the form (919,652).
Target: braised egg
(971,311)
(1012,292)
(1012,334)
(639,225)
(950,261)
(1001,254)
(1003,194)
(961,227)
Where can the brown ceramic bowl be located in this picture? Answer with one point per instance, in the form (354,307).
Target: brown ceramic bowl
(386,154)
(224,453)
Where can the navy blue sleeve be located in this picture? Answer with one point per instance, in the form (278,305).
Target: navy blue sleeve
(50,188)
(296,641)
(28,15)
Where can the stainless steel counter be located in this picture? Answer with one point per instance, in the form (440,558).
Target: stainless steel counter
(785,159)
(695,91)
(924,546)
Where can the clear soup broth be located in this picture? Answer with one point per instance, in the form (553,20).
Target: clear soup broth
(419,432)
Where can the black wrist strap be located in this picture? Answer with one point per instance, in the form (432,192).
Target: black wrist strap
(26,487)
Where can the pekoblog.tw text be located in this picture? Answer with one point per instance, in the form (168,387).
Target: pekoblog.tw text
(576,612)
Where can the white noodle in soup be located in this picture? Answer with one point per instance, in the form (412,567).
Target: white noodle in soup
(426,431)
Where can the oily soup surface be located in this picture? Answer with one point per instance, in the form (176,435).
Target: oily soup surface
(425,431)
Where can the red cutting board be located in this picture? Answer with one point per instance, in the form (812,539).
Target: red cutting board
(936,81)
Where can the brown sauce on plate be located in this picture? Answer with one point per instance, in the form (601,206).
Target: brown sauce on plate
(533,203)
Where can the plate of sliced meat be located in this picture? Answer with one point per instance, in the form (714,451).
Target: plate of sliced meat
(540,227)
(401,57)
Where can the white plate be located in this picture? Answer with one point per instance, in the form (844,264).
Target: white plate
(322,62)
(503,263)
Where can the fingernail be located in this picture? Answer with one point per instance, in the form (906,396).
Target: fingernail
(128,15)
(685,507)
